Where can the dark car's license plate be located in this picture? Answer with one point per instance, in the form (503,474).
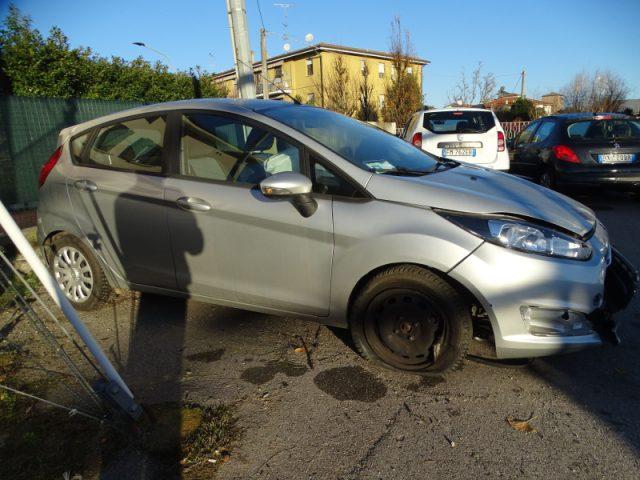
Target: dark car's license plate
(616,157)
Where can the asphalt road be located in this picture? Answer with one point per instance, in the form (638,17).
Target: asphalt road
(336,416)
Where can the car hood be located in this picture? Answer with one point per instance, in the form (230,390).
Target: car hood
(471,189)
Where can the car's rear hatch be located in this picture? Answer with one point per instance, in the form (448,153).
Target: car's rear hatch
(464,135)
(605,141)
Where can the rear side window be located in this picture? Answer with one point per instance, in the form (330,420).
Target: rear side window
(77,144)
(134,145)
(604,129)
(546,128)
(457,121)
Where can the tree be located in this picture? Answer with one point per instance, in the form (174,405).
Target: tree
(32,65)
(600,91)
(338,90)
(367,110)
(523,110)
(402,94)
(479,89)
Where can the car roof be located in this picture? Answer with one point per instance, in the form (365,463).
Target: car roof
(457,109)
(585,116)
(228,104)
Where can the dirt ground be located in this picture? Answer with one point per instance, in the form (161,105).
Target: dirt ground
(333,415)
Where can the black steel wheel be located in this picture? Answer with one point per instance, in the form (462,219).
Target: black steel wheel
(408,318)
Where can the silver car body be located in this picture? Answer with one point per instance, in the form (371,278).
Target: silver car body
(248,251)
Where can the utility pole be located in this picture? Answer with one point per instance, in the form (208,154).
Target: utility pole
(265,72)
(237,14)
(523,87)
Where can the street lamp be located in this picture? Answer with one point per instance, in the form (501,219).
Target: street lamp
(144,45)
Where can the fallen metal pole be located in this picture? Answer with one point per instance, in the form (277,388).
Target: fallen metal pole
(116,385)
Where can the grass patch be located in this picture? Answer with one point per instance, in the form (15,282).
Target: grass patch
(7,295)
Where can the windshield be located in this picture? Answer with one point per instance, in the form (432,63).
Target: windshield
(363,145)
(618,129)
(459,121)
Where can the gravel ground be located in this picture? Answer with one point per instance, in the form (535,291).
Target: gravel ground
(336,416)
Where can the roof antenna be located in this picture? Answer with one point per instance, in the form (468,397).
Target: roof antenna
(295,100)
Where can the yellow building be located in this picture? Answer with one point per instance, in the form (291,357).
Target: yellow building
(303,73)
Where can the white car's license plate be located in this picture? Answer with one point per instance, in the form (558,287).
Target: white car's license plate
(458,152)
(617,157)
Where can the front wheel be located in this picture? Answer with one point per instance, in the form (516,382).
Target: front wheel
(410,319)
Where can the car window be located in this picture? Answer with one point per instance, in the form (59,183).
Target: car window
(134,145)
(327,182)
(527,133)
(604,129)
(213,147)
(459,121)
(411,126)
(543,132)
(77,144)
(363,145)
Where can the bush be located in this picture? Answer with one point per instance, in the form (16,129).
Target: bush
(31,65)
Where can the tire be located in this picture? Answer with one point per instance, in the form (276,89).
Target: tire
(78,272)
(548,178)
(408,318)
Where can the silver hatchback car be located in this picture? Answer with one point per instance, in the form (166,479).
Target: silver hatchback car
(294,210)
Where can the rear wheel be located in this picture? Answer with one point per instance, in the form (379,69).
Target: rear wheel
(408,318)
(547,178)
(77,272)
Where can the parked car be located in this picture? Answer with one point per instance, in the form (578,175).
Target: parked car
(471,135)
(295,210)
(580,149)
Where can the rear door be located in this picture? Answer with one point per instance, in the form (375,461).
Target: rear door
(229,241)
(521,161)
(465,135)
(116,188)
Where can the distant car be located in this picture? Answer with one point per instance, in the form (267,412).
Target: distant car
(580,149)
(298,211)
(470,135)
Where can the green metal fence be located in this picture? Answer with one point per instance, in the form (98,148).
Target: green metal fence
(29,128)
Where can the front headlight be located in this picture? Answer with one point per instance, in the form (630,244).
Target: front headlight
(522,235)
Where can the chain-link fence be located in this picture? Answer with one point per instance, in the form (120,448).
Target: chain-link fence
(29,128)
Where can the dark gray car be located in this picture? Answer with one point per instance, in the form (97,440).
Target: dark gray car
(295,210)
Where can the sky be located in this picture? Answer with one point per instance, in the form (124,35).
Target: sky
(551,40)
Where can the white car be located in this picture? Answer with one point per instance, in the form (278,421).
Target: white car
(470,135)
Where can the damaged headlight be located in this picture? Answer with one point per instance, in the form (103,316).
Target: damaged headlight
(522,235)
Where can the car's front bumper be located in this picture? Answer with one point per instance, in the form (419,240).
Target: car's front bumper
(507,282)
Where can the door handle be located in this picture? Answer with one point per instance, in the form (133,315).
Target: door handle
(86,185)
(193,203)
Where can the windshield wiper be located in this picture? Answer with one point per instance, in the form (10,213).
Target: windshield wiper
(445,164)
(404,171)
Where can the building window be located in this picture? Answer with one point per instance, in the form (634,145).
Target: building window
(311,98)
(278,74)
(309,68)
(381,102)
(393,72)
(381,70)
(363,67)
(410,70)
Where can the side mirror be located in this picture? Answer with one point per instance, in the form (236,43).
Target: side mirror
(291,185)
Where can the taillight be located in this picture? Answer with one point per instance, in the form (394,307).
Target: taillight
(48,166)
(500,141)
(417,140)
(564,153)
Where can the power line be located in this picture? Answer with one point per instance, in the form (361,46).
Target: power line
(260,11)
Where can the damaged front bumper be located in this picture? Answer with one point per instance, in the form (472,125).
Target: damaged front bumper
(620,285)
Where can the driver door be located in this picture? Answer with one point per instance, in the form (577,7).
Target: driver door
(248,249)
